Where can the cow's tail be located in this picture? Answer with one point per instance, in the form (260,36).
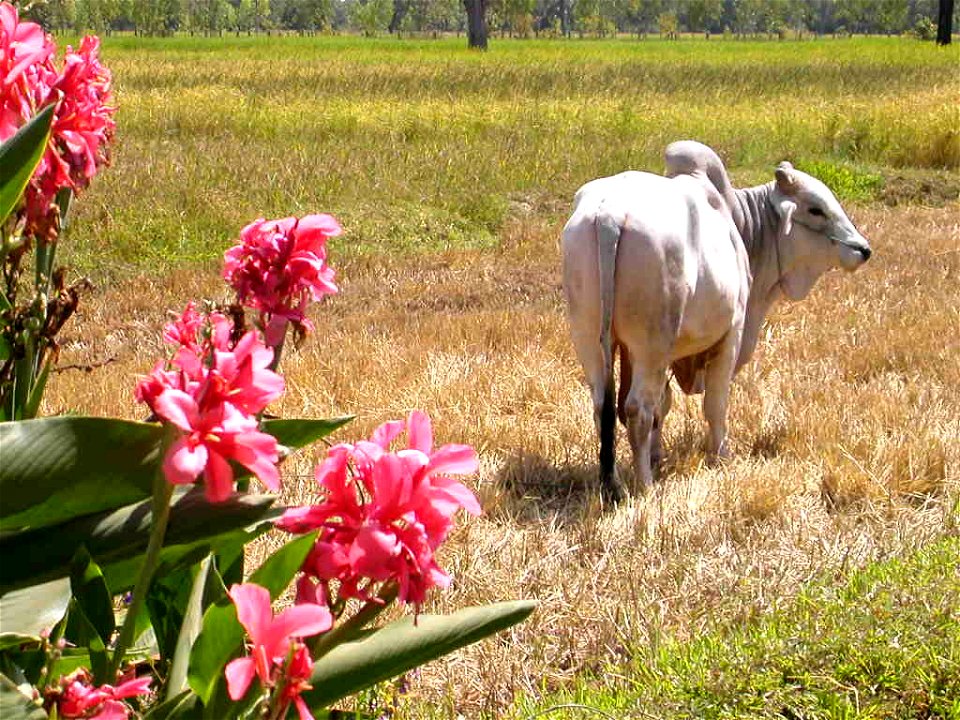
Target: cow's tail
(608,240)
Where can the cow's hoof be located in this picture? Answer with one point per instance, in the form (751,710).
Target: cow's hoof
(715,459)
(612,491)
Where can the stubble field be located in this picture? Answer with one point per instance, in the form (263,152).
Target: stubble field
(452,173)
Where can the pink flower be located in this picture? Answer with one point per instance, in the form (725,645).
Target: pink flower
(212,396)
(83,121)
(78,698)
(279,266)
(213,435)
(385,520)
(276,656)
(26,54)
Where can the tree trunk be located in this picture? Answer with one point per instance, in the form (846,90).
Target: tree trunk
(945,22)
(399,11)
(476,23)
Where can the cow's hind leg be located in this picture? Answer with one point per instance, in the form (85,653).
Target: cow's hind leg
(626,377)
(603,399)
(642,408)
(718,376)
(656,443)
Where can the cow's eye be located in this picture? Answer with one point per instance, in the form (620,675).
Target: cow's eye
(817,212)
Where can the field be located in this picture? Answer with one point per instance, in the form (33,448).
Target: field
(775,585)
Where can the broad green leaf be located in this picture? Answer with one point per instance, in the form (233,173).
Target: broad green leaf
(296,432)
(403,645)
(29,610)
(12,639)
(222,634)
(56,469)
(82,628)
(14,705)
(167,604)
(91,595)
(74,658)
(279,569)
(182,706)
(19,157)
(118,539)
(189,630)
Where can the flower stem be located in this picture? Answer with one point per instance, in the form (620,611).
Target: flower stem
(162,492)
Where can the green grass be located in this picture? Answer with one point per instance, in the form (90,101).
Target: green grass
(884,643)
(421,146)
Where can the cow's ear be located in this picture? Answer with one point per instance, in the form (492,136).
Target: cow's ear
(786,180)
(785,209)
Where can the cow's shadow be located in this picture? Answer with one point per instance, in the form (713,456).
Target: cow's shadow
(528,487)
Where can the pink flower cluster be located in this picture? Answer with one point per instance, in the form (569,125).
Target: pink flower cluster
(277,657)
(279,266)
(83,122)
(384,514)
(211,395)
(78,698)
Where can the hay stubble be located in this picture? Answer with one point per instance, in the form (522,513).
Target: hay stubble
(845,430)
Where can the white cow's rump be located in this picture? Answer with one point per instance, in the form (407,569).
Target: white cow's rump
(678,272)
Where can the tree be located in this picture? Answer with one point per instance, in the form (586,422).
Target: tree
(891,16)
(372,16)
(746,17)
(702,15)
(945,22)
(476,23)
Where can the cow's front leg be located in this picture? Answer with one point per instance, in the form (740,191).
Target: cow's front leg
(716,392)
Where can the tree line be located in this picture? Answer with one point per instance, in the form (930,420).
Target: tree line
(515,18)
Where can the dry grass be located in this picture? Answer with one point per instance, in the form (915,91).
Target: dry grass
(845,429)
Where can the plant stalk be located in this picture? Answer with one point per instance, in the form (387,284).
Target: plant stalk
(162,492)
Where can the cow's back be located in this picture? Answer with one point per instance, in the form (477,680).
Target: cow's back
(673,290)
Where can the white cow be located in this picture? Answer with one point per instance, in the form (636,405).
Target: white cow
(678,273)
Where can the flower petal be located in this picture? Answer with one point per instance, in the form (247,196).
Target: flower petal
(177,407)
(300,621)
(454,460)
(184,462)
(419,432)
(218,478)
(253,609)
(239,674)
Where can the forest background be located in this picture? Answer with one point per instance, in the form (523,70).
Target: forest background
(515,18)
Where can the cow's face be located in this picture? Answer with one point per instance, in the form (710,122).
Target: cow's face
(815,233)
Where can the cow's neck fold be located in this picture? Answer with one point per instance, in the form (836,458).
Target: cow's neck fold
(759,229)
(759,224)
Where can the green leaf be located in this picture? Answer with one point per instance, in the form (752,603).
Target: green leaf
(118,538)
(14,705)
(29,610)
(86,635)
(12,639)
(222,634)
(189,631)
(19,157)
(403,645)
(56,469)
(278,570)
(182,706)
(295,432)
(167,604)
(36,393)
(91,595)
